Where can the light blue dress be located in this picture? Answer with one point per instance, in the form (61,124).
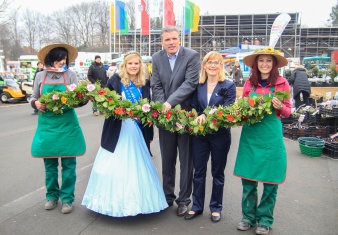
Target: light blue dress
(126,182)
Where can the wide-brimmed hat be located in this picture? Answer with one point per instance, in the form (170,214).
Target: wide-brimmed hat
(250,59)
(72,52)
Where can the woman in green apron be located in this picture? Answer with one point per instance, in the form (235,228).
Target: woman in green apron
(57,135)
(261,153)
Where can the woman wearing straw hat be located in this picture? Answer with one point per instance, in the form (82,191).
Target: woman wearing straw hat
(261,153)
(57,136)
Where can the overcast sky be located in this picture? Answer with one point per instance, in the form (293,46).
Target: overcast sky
(313,13)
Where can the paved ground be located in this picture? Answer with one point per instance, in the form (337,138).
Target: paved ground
(307,203)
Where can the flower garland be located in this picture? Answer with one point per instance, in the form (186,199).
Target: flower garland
(244,111)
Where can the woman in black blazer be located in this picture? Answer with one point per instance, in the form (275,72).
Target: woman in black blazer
(213,90)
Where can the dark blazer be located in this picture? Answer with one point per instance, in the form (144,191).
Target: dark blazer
(112,127)
(177,86)
(223,94)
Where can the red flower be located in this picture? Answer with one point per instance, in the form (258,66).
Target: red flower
(190,130)
(150,123)
(220,113)
(79,95)
(110,99)
(155,114)
(214,122)
(102,92)
(245,117)
(252,102)
(131,113)
(168,115)
(190,115)
(91,98)
(230,118)
(120,111)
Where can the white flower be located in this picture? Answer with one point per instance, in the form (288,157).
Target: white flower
(72,87)
(212,111)
(55,97)
(146,108)
(180,126)
(90,87)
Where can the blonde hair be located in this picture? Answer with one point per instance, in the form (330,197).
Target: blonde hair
(140,78)
(212,55)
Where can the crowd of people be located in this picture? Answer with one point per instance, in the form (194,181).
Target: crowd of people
(124,180)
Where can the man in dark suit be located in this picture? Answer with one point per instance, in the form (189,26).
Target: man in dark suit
(175,78)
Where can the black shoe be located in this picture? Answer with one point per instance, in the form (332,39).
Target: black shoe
(189,216)
(170,203)
(216,218)
(182,210)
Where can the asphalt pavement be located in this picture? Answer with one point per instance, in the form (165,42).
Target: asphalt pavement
(307,203)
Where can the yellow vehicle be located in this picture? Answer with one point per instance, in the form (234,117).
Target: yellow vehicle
(10,91)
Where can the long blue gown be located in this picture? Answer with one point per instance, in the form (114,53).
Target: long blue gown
(126,182)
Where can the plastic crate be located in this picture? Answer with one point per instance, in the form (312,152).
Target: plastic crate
(330,112)
(311,141)
(331,150)
(311,151)
(291,132)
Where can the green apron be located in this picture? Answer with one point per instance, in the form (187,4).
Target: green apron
(261,153)
(57,135)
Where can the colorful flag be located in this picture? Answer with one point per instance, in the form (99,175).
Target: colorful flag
(121,17)
(169,16)
(112,19)
(154,8)
(191,17)
(144,18)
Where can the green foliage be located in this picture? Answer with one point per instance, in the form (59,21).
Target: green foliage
(315,71)
(245,111)
(333,72)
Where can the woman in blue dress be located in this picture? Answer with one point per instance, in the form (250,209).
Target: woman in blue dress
(124,180)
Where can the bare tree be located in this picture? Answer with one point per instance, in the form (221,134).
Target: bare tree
(63,27)
(334,15)
(131,12)
(84,14)
(13,49)
(31,27)
(103,18)
(4,7)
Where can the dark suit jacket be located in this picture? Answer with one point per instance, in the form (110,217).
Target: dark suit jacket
(177,86)
(112,127)
(223,94)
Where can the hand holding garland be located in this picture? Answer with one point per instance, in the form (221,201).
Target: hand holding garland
(244,111)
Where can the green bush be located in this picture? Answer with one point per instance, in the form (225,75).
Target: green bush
(333,72)
(315,71)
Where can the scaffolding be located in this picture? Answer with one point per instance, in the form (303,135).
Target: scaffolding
(219,32)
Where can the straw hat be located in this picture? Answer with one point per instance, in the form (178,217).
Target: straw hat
(250,59)
(72,52)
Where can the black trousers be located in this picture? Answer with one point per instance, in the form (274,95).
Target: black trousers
(217,145)
(298,102)
(170,145)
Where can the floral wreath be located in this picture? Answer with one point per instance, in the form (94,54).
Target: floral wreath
(245,111)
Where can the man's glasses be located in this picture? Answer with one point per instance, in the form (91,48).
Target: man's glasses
(213,62)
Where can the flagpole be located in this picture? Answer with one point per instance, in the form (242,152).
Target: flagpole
(110,31)
(136,8)
(149,47)
(114,26)
(183,25)
(163,13)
